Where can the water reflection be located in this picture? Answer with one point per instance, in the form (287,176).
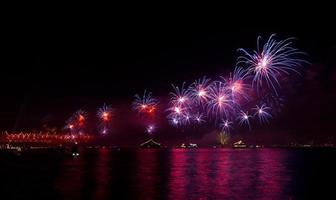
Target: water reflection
(102,174)
(222,174)
(147,166)
(70,181)
(178,174)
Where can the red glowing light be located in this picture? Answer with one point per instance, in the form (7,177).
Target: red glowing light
(151,109)
(81,118)
(105,116)
(45,138)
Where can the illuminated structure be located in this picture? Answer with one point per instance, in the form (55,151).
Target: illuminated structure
(44,139)
(150,144)
(239,144)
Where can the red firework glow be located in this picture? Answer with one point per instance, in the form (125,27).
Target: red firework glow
(105,116)
(81,120)
(147,109)
(45,138)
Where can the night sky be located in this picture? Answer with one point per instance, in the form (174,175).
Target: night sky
(53,69)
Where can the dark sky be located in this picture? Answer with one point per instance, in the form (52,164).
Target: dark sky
(53,68)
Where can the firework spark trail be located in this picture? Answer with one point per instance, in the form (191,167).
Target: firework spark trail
(199,90)
(179,106)
(180,96)
(256,80)
(226,125)
(145,104)
(199,118)
(263,113)
(275,58)
(76,123)
(104,114)
(238,85)
(147,107)
(150,129)
(244,118)
(220,102)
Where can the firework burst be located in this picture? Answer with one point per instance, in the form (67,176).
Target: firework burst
(263,113)
(226,125)
(199,90)
(174,121)
(76,123)
(81,116)
(199,118)
(237,84)
(150,129)
(145,104)
(244,118)
(266,64)
(104,114)
(220,101)
(180,96)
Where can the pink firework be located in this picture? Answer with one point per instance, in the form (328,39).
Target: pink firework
(238,85)
(145,104)
(180,96)
(263,113)
(199,90)
(199,118)
(226,125)
(150,129)
(220,101)
(244,118)
(104,114)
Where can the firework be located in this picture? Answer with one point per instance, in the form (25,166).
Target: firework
(80,117)
(70,125)
(176,111)
(145,104)
(263,113)
(199,118)
(220,101)
(223,138)
(104,115)
(186,119)
(266,64)
(150,129)
(174,121)
(199,90)
(76,123)
(179,116)
(256,78)
(180,96)
(179,106)
(244,118)
(237,84)
(226,125)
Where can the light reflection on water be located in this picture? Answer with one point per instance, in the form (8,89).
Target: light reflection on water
(226,174)
(171,174)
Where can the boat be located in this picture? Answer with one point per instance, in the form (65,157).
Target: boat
(239,144)
(75,151)
(192,146)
